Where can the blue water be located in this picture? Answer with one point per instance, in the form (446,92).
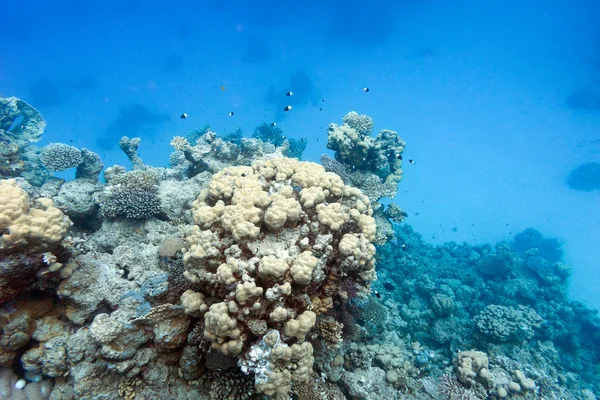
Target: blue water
(497,102)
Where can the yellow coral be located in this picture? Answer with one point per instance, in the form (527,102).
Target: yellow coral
(25,226)
(303,267)
(300,327)
(272,268)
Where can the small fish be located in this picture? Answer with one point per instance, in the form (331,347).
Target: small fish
(323,100)
(231,114)
(320,108)
(411,161)
(273,124)
(183,116)
(403,247)
(287,108)
(317,140)
(303,140)
(377,294)
(283,136)
(288,94)
(366,89)
(400,157)
(222,88)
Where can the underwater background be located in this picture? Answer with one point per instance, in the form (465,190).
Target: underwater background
(498,104)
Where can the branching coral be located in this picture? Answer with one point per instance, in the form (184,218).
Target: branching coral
(60,156)
(132,195)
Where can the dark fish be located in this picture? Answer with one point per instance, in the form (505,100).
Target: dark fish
(183,116)
(399,156)
(273,124)
(283,136)
(303,140)
(366,89)
(411,161)
(320,108)
(231,114)
(323,100)
(388,286)
(287,108)
(377,294)
(288,94)
(403,247)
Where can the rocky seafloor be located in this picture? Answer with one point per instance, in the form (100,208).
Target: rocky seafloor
(241,272)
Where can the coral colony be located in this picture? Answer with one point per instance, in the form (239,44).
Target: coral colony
(241,272)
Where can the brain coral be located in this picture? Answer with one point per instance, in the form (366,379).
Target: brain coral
(272,243)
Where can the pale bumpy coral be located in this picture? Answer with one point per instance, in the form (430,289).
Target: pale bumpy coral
(25,226)
(472,367)
(270,239)
(504,323)
(60,156)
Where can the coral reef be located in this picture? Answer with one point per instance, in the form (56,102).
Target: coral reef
(354,147)
(237,273)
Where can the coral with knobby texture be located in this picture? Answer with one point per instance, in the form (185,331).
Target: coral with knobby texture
(60,157)
(264,248)
(131,195)
(206,151)
(505,324)
(23,226)
(354,147)
(363,124)
(442,305)
(472,367)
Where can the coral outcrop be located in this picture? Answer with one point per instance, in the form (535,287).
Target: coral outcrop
(28,229)
(268,238)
